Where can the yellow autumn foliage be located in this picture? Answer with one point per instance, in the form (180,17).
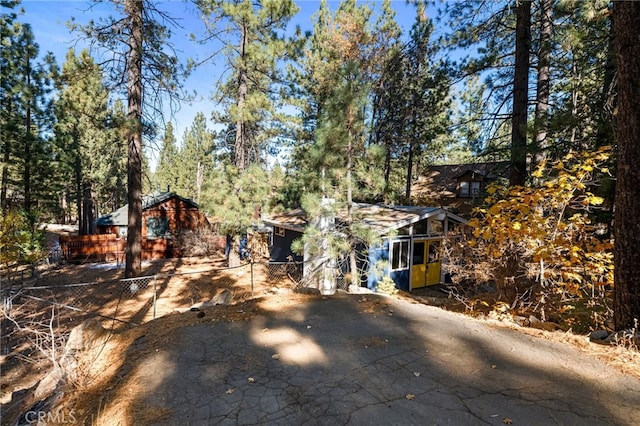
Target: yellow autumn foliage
(542,237)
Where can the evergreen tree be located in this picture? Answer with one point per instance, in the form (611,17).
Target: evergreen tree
(312,90)
(484,31)
(254,44)
(252,36)
(518,171)
(235,198)
(543,84)
(569,46)
(84,138)
(341,69)
(412,103)
(194,158)
(166,174)
(341,64)
(426,96)
(583,95)
(386,105)
(145,61)
(26,118)
(468,138)
(627,244)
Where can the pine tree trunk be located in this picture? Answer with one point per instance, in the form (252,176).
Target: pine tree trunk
(233,259)
(77,172)
(605,135)
(627,208)
(387,173)
(243,87)
(518,172)
(407,190)
(5,164)
(355,276)
(240,149)
(133,266)
(543,84)
(86,210)
(27,146)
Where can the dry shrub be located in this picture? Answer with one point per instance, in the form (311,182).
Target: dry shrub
(202,243)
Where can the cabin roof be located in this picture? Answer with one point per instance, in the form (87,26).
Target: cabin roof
(380,218)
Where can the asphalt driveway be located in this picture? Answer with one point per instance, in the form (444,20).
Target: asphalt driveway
(331,361)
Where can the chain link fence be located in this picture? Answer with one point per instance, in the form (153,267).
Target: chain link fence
(130,302)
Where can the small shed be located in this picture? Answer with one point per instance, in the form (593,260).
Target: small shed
(411,241)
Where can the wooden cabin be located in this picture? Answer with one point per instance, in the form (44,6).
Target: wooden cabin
(164,216)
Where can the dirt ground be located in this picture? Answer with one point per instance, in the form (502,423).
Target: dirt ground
(192,281)
(180,284)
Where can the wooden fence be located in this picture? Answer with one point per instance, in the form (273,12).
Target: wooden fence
(110,248)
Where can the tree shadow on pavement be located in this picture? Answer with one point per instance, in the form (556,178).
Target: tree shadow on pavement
(348,359)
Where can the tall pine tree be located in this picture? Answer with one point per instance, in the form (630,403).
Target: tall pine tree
(26,118)
(252,36)
(84,137)
(627,244)
(143,59)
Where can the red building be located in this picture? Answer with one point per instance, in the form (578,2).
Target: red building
(165,215)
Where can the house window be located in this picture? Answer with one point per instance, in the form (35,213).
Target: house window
(464,189)
(475,189)
(420,228)
(279,231)
(469,189)
(157,227)
(405,230)
(399,255)
(122,231)
(436,227)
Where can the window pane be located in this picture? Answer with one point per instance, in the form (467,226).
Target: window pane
(437,227)
(399,255)
(464,189)
(395,255)
(157,227)
(418,253)
(404,255)
(420,228)
(475,189)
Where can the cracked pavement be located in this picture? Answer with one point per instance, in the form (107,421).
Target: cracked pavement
(328,361)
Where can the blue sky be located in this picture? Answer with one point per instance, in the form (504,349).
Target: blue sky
(48,19)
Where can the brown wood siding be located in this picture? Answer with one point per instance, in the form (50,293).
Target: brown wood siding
(106,246)
(109,248)
(181,216)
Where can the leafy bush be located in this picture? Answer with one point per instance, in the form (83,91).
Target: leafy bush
(20,239)
(386,286)
(539,243)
